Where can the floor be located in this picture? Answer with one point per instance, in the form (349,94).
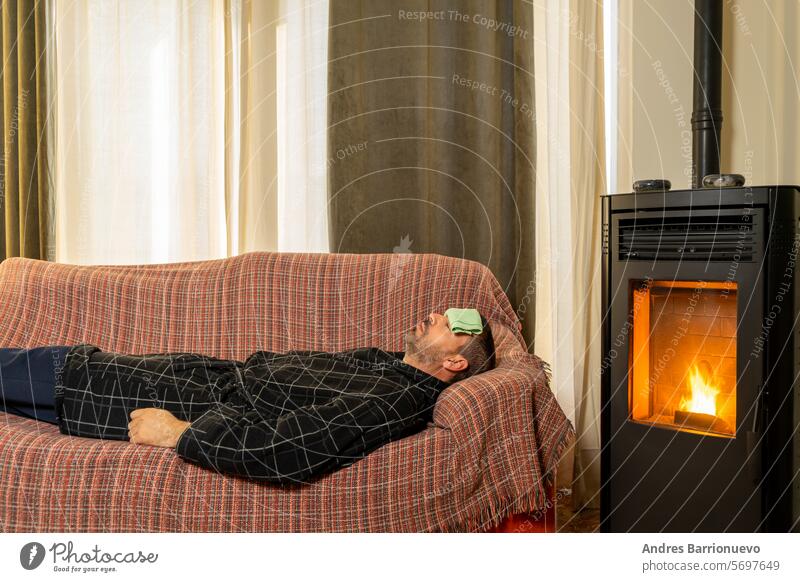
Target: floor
(575,521)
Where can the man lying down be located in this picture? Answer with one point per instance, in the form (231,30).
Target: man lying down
(278,417)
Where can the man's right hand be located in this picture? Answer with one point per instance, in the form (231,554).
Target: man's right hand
(155,427)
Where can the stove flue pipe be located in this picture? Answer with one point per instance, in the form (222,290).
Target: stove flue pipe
(707,100)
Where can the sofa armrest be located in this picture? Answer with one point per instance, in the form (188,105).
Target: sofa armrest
(507,429)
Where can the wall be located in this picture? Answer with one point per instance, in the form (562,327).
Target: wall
(760,103)
(760,91)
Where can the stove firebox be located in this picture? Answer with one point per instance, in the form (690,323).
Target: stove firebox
(700,406)
(683,355)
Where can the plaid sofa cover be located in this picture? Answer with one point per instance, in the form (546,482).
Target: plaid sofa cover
(493,441)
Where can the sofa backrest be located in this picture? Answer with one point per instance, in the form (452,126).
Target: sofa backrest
(229,308)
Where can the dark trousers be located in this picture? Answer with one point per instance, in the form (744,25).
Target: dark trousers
(28,378)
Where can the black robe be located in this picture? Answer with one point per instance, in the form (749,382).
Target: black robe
(279,417)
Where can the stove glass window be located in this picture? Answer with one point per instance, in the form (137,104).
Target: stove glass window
(682,360)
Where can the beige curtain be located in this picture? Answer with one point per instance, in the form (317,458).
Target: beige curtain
(432,134)
(26,204)
(251,123)
(276,88)
(302,47)
(570,179)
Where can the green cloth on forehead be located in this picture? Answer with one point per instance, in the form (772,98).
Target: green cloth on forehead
(464,320)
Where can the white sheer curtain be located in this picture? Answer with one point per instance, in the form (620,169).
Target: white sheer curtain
(570,179)
(140,131)
(170,120)
(302,120)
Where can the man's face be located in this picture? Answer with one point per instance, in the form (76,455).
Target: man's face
(431,340)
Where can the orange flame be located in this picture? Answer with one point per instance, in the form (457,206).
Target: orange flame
(703,392)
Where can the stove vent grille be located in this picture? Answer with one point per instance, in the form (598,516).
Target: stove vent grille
(718,237)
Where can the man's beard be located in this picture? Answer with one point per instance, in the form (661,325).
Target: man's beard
(424,354)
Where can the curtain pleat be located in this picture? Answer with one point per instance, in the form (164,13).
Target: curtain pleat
(25,179)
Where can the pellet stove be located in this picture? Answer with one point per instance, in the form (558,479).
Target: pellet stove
(701,353)
(701,360)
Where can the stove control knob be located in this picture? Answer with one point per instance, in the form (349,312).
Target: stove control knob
(651,185)
(723,180)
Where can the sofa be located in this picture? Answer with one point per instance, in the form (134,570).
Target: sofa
(485,460)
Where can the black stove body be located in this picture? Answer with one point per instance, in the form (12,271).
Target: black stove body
(701,358)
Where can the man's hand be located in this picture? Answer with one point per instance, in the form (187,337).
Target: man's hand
(156,427)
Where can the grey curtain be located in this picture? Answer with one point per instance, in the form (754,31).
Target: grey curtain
(431,140)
